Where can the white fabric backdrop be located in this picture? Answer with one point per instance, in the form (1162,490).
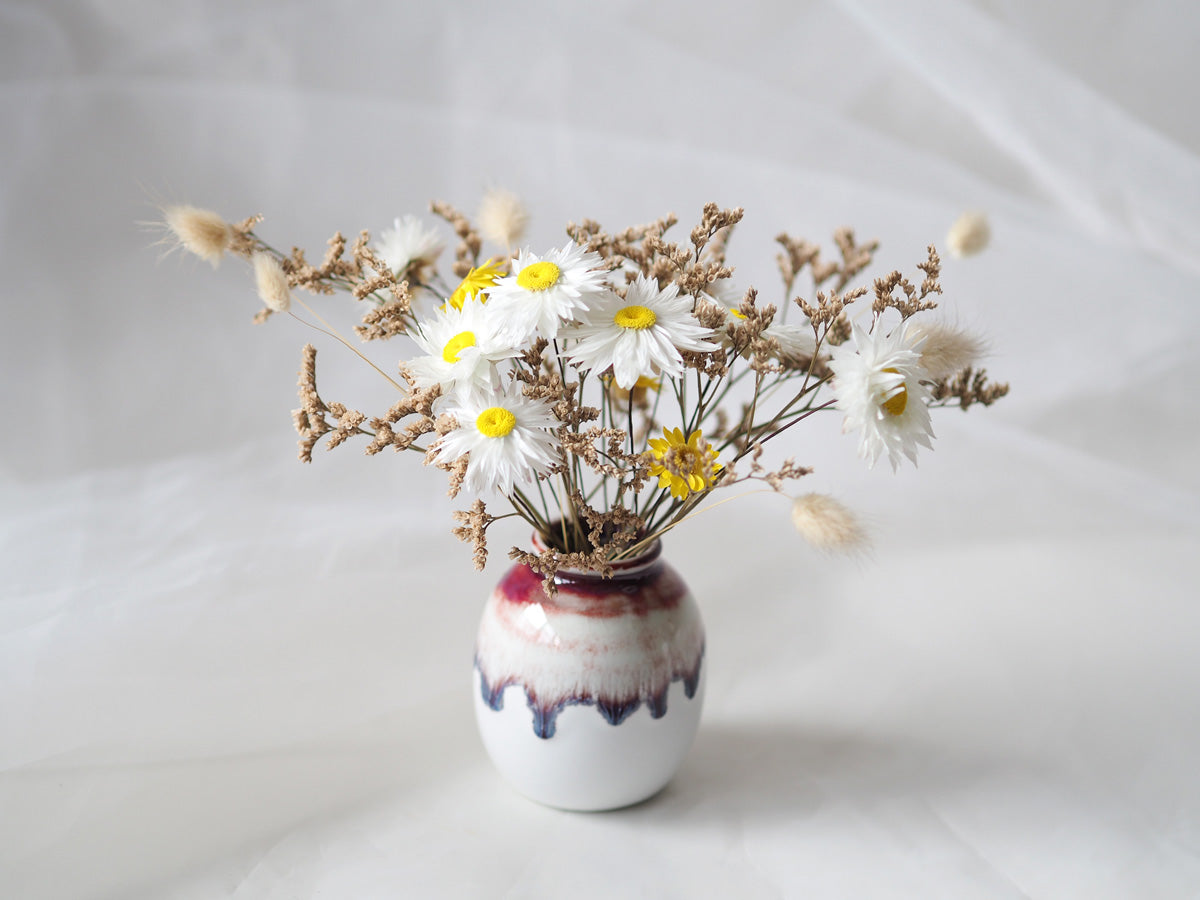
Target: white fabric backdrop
(225,674)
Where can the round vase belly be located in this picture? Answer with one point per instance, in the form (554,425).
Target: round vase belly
(590,699)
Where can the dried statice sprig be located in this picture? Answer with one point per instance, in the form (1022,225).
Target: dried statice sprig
(775,478)
(608,533)
(914,300)
(625,249)
(800,254)
(315,418)
(386,321)
(466,255)
(968,387)
(473,530)
(311,419)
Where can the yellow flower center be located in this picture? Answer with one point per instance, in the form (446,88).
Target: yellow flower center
(898,402)
(538,276)
(495,421)
(457,345)
(738,314)
(638,317)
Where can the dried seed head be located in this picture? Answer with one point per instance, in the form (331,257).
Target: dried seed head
(946,351)
(969,235)
(502,217)
(271,282)
(200,231)
(827,524)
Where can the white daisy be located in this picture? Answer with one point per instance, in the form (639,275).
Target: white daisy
(461,346)
(878,384)
(407,242)
(544,291)
(509,437)
(639,334)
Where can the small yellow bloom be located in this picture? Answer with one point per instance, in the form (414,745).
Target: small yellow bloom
(685,465)
(621,397)
(644,382)
(477,279)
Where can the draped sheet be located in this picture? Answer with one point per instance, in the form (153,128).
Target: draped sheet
(223,673)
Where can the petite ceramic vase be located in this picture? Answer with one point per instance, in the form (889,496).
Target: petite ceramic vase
(589,700)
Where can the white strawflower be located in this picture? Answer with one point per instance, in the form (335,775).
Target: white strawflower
(461,346)
(638,335)
(969,234)
(271,282)
(509,437)
(877,381)
(406,243)
(544,291)
(502,217)
(200,231)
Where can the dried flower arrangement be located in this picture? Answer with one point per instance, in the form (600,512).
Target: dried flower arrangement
(589,386)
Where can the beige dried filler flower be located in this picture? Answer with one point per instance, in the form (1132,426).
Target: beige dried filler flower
(200,231)
(827,524)
(271,282)
(502,217)
(969,235)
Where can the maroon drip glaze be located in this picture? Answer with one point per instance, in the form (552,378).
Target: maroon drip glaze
(637,593)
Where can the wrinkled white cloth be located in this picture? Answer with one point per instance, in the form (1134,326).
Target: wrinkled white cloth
(226,674)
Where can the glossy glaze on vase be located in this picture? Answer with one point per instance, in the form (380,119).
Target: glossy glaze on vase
(590,699)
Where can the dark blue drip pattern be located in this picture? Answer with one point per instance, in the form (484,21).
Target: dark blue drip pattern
(615,711)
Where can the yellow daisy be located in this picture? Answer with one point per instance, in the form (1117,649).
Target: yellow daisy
(477,279)
(685,465)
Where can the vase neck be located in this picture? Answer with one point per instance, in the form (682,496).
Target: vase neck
(641,563)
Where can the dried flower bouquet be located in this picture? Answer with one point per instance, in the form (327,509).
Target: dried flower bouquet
(592,386)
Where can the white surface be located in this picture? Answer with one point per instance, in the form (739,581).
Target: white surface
(220,672)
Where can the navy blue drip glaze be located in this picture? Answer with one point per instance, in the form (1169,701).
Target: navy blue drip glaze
(545,716)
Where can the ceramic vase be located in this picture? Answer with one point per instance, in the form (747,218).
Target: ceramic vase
(589,699)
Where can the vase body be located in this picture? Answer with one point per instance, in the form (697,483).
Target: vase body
(589,699)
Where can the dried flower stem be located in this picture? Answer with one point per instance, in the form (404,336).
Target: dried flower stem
(332,332)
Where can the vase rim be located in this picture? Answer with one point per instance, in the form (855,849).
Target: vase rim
(621,568)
